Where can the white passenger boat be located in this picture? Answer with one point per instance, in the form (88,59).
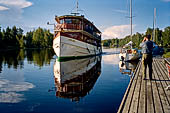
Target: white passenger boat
(75,36)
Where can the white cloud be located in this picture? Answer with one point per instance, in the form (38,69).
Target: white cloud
(16,3)
(2,8)
(14,13)
(119,31)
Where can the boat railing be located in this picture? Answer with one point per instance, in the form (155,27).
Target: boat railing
(68,26)
(76,27)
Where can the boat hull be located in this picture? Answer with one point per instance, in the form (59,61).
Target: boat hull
(68,48)
(129,57)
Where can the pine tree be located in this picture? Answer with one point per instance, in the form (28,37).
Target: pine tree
(28,38)
(1,37)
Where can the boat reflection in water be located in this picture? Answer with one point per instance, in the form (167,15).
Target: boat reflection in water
(127,67)
(75,78)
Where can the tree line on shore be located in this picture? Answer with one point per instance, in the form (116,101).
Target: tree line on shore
(42,38)
(14,38)
(162,38)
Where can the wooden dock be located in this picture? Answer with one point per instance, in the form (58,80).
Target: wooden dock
(167,60)
(148,96)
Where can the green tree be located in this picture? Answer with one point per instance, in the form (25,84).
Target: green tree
(137,38)
(149,31)
(166,36)
(7,37)
(48,38)
(14,32)
(28,38)
(158,36)
(38,38)
(1,35)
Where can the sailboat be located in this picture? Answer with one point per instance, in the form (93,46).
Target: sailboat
(157,51)
(129,54)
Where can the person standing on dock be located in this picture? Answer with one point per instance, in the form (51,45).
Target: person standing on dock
(147,47)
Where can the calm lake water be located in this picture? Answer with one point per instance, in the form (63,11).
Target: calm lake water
(33,81)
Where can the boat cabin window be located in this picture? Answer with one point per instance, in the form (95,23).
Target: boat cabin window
(72,21)
(62,21)
(75,21)
(68,21)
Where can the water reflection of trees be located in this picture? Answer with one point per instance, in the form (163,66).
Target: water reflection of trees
(40,57)
(15,58)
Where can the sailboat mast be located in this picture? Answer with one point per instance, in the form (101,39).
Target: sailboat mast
(154,25)
(131,20)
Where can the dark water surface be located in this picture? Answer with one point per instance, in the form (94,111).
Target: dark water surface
(33,81)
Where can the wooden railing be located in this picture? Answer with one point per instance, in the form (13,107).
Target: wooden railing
(76,27)
(69,26)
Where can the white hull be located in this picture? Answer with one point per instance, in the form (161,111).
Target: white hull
(129,56)
(65,71)
(68,47)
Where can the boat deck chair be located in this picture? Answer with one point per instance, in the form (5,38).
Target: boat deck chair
(168,68)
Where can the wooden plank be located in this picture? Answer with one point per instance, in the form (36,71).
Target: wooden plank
(164,92)
(131,94)
(136,95)
(165,80)
(150,100)
(164,69)
(163,72)
(157,100)
(167,60)
(124,100)
(161,90)
(142,99)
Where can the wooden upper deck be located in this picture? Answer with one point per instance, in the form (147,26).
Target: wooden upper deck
(71,22)
(71,19)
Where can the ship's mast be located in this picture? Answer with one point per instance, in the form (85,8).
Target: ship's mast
(76,10)
(77,7)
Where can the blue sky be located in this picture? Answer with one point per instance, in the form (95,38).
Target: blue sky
(110,16)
